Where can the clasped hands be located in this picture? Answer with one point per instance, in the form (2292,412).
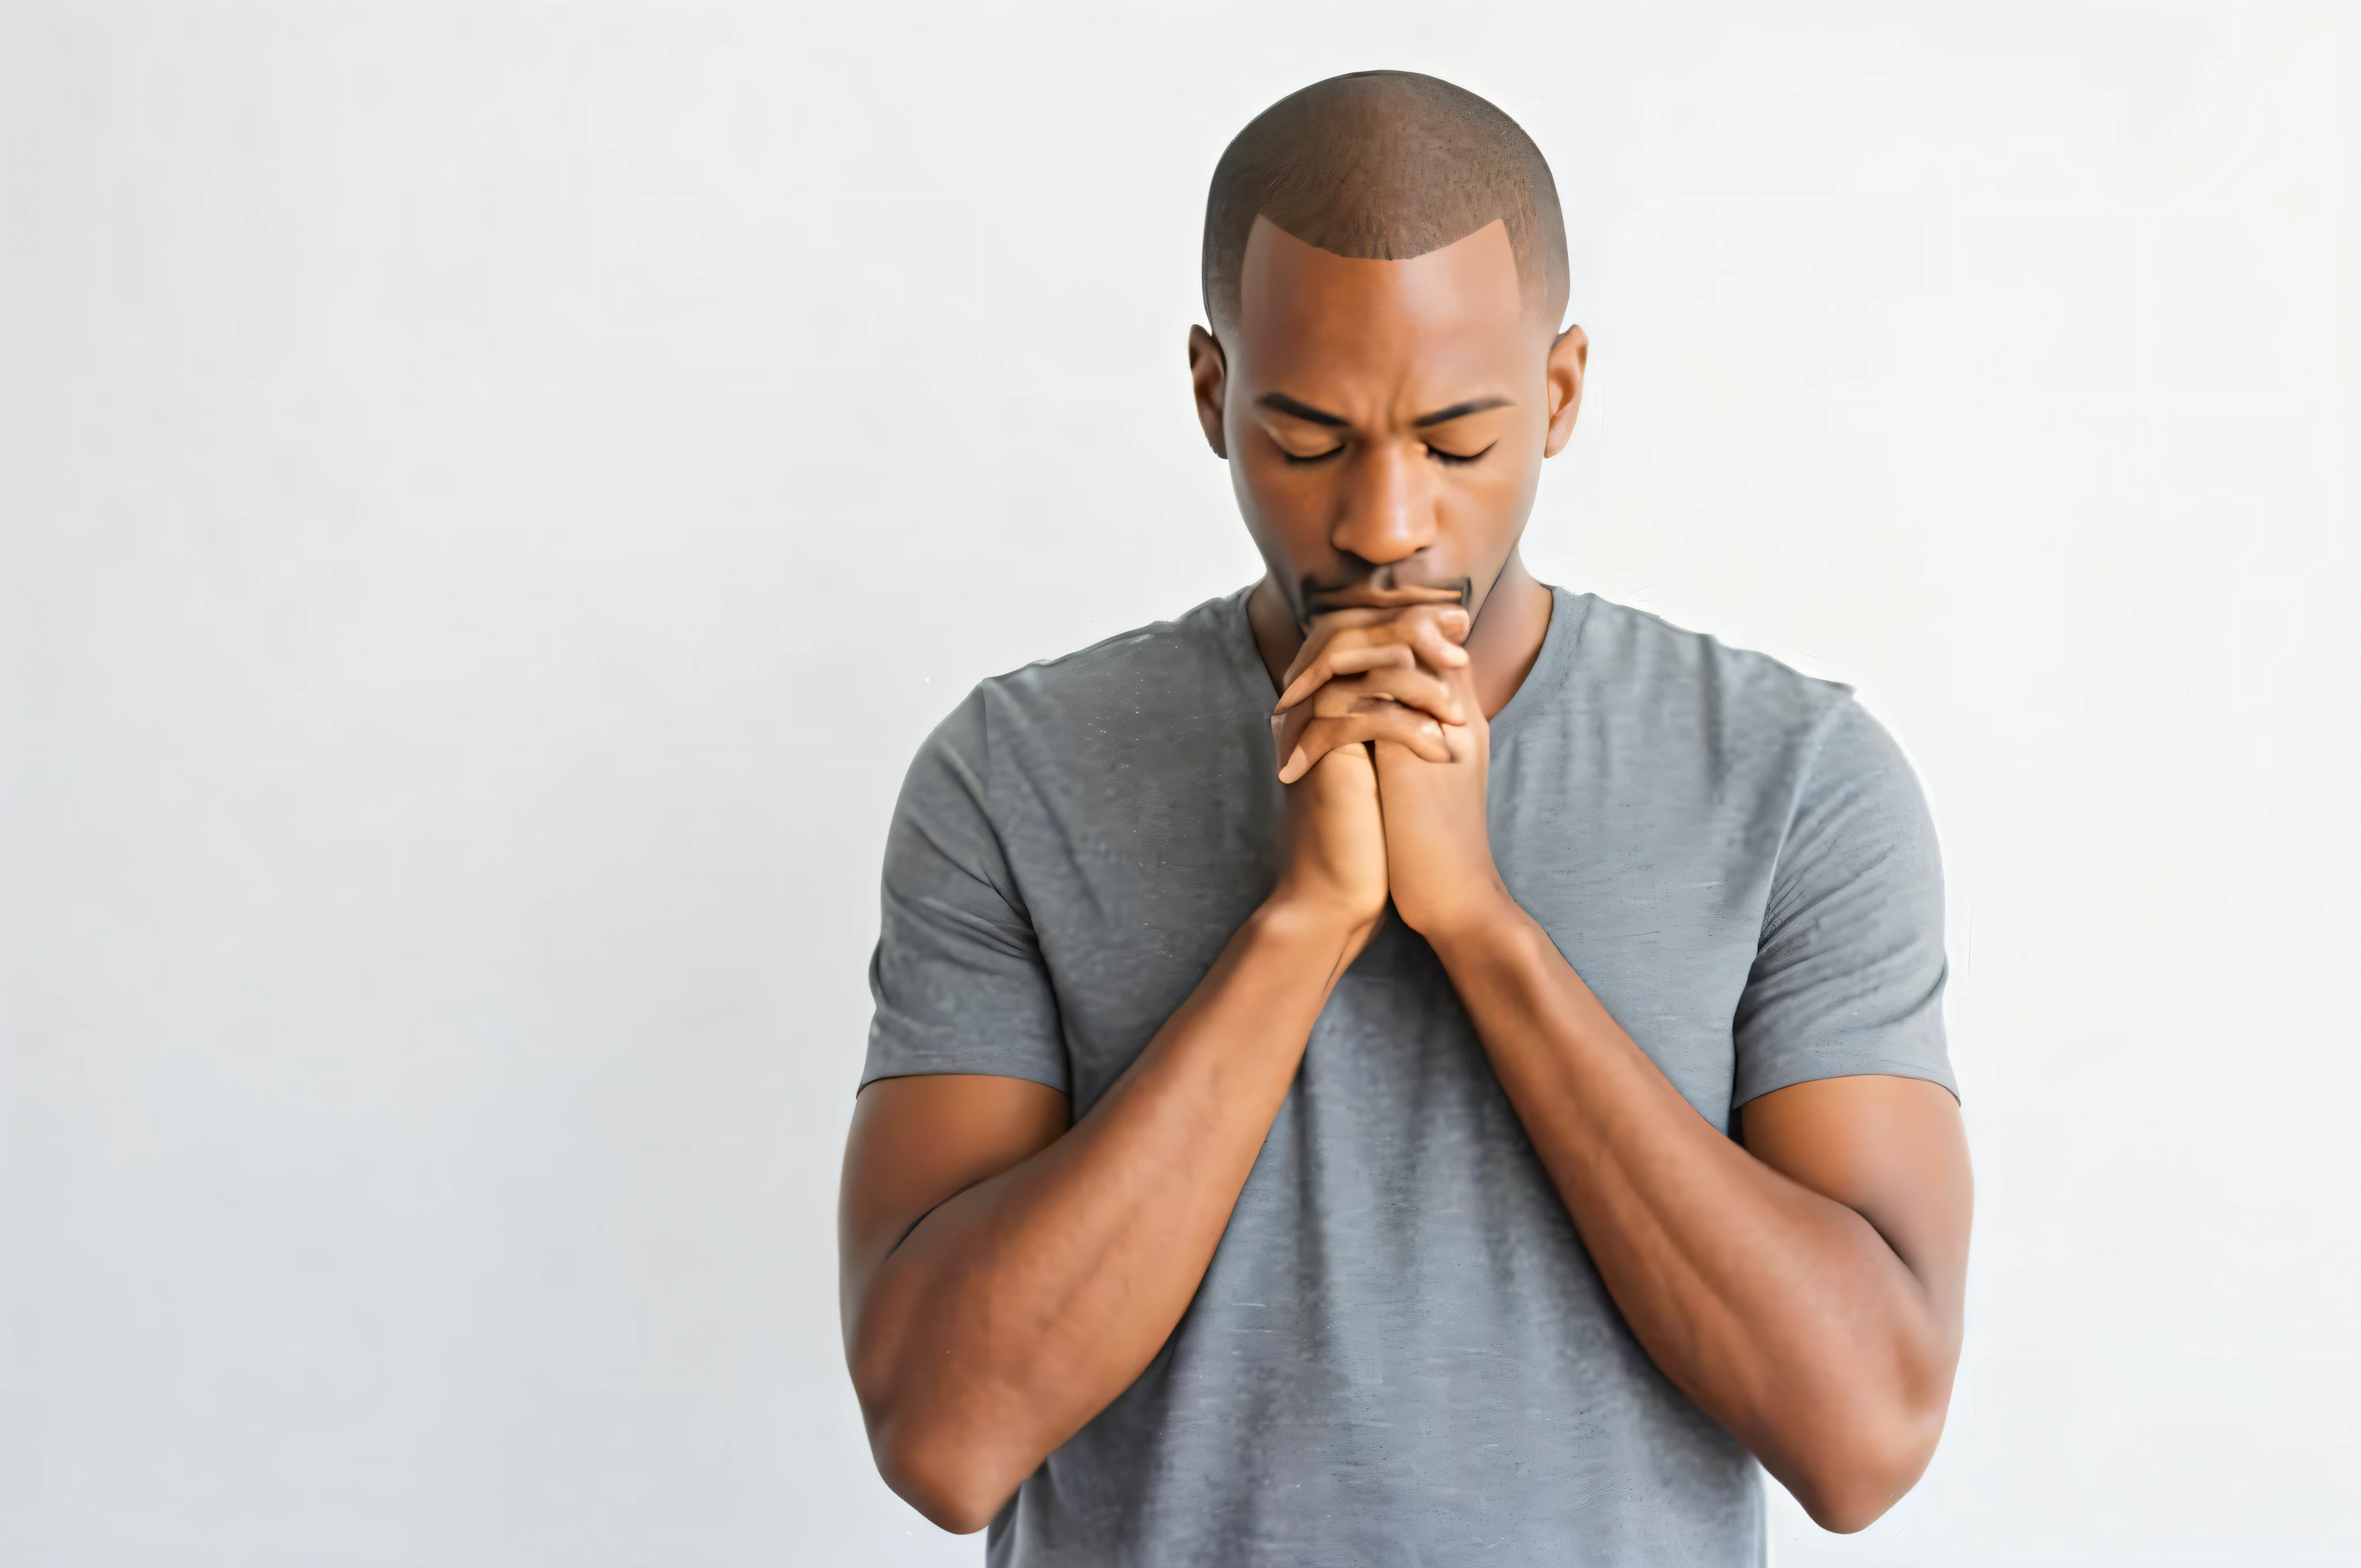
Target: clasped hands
(1385,752)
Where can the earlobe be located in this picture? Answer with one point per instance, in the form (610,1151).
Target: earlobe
(1209,375)
(1569,358)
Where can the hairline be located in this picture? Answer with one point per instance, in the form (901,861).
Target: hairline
(1532,300)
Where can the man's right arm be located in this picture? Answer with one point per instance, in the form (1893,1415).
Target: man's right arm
(1027,1295)
(1004,1277)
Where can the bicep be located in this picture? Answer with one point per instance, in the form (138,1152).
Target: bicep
(920,1140)
(1892,1149)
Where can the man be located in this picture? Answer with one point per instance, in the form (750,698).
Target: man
(1404,1064)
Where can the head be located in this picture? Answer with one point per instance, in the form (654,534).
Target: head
(1385,271)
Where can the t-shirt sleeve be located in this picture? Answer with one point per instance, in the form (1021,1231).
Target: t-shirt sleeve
(957,977)
(1849,976)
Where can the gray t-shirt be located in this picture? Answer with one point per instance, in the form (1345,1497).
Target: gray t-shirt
(1401,1353)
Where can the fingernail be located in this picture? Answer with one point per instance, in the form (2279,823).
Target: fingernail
(1294,761)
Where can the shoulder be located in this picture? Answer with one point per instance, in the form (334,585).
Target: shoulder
(1647,677)
(1159,680)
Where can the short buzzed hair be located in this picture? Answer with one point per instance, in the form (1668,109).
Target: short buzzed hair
(1385,165)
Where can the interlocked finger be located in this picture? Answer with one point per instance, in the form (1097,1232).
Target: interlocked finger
(1402,685)
(1355,641)
(1378,719)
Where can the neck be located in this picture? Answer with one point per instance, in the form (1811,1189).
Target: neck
(1510,623)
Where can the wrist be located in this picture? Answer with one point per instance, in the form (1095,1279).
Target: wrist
(1293,913)
(1483,920)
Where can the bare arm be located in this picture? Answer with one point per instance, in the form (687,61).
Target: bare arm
(1805,1289)
(1004,1277)
(1031,1294)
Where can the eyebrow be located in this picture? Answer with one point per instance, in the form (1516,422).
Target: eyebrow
(1280,403)
(1459,411)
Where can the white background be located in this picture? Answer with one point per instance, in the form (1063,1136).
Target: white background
(492,499)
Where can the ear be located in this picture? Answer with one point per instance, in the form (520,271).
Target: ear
(1210,372)
(1569,356)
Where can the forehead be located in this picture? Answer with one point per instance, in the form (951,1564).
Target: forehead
(1457,310)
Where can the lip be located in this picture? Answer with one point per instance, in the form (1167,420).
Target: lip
(1370,595)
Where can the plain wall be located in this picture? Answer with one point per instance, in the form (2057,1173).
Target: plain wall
(492,499)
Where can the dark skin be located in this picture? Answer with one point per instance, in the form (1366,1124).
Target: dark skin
(1006,1275)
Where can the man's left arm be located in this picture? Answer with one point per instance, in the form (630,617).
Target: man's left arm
(1803,1287)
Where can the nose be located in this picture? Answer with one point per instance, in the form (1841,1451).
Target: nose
(1387,513)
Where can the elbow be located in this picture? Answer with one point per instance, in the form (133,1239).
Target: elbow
(954,1486)
(948,1493)
(1856,1470)
(1846,1505)
(949,1502)
(955,1476)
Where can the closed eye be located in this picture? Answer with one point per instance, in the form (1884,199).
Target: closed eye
(1315,457)
(1454,458)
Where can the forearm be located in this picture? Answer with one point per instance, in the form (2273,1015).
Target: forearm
(1780,1312)
(1019,1308)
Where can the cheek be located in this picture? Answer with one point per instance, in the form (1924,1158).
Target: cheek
(1490,498)
(1519,467)
(1278,497)
(1509,451)
(1272,516)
